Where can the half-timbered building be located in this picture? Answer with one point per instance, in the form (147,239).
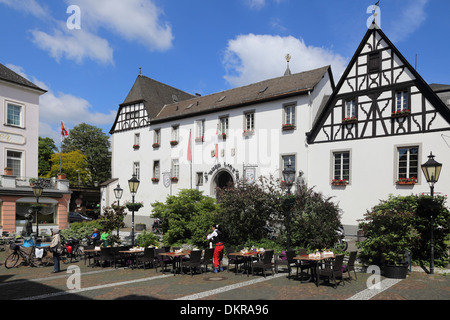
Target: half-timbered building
(358,141)
(377,128)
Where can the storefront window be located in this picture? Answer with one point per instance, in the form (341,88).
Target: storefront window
(47,212)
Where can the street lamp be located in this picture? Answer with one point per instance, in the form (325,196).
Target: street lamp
(118,191)
(133,183)
(431,170)
(289,177)
(37,191)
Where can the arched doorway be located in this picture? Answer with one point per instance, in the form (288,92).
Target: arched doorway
(222,180)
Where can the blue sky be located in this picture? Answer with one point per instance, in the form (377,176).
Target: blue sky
(198,46)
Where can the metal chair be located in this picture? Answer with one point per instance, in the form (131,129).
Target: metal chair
(147,257)
(208,258)
(349,265)
(334,270)
(195,261)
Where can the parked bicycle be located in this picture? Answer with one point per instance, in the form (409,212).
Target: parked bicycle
(20,256)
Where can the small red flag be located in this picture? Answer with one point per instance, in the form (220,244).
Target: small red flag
(63,130)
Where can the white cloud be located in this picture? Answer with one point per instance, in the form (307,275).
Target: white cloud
(57,107)
(74,45)
(413,15)
(27,6)
(134,20)
(256,4)
(252,58)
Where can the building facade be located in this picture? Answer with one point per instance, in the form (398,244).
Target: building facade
(19,132)
(358,141)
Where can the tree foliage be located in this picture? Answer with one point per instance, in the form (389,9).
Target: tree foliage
(246,208)
(46,149)
(95,145)
(402,223)
(186,217)
(73,164)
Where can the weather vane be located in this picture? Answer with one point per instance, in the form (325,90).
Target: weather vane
(288,57)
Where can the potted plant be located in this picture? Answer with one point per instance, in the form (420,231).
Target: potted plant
(407,181)
(174,179)
(339,182)
(389,233)
(155,180)
(8,171)
(349,120)
(401,113)
(173,142)
(155,145)
(136,146)
(288,126)
(133,206)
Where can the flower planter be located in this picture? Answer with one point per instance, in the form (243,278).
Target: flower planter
(395,271)
(406,182)
(349,121)
(61,176)
(287,127)
(136,147)
(174,179)
(141,227)
(8,171)
(155,145)
(133,206)
(401,114)
(155,180)
(173,143)
(339,182)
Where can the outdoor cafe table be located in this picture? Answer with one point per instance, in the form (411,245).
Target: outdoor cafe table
(248,259)
(87,254)
(134,252)
(176,259)
(316,261)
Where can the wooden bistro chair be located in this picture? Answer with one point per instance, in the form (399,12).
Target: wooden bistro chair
(286,260)
(334,270)
(265,263)
(106,255)
(147,258)
(208,258)
(349,265)
(195,261)
(236,260)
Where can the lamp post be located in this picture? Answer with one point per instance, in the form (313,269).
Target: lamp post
(289,177)
(133,183)
(118,191)
(37,191)
(431,170)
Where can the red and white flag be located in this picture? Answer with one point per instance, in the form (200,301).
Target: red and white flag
(64,132)
(217,142)
(189,155)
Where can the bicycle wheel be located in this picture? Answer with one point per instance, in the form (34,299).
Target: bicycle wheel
(12,260)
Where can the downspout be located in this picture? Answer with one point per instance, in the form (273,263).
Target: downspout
(306,174)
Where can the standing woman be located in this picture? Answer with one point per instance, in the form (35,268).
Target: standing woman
(216,236)
(55,248)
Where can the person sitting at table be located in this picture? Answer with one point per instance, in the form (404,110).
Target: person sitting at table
(217,237)
(95,238)
(104,238)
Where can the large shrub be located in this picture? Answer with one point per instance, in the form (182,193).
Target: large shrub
(246,208)
(401,224)
(186,217)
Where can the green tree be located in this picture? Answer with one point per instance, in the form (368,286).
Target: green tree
(95,145)
(73,164)
(187,217)
(47,148)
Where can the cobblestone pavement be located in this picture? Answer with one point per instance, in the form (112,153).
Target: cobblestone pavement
(96,283)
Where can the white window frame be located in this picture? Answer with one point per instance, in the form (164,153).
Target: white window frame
(157,136)
(410,172)
(200,130)
(137,139)
(175,133)
(137,169)
(223,125)
(402,100)
(175,168)
(289,111)
(21,114)
(156,169)
(11,161)
(341,174)
(350,108)
(249,121)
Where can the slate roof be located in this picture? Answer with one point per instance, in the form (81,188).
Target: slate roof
(442,91)
(8,75)
(154,94)
(284,86)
